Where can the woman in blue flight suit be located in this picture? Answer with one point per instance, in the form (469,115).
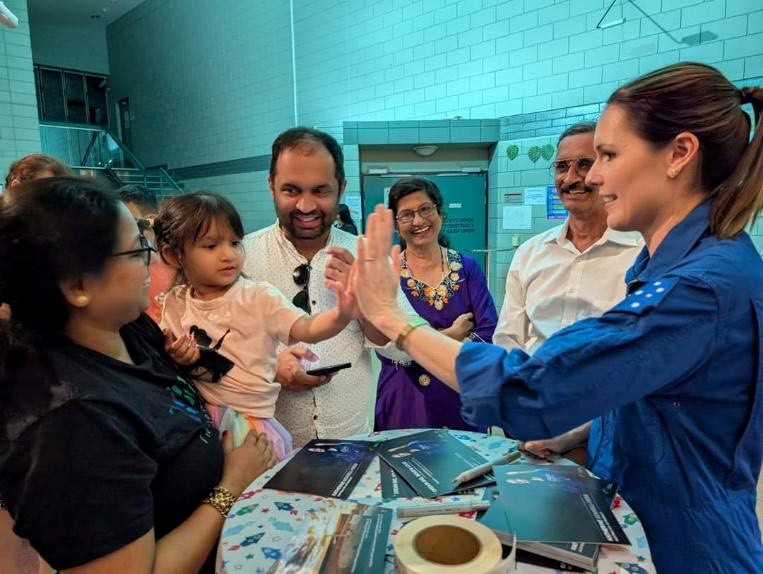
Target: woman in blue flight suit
(680,360)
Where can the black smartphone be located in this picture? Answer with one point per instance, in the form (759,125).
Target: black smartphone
(321,371)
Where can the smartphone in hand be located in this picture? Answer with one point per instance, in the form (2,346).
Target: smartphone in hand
(328,370)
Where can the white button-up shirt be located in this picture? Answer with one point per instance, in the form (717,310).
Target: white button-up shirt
(551,284)
(344,406)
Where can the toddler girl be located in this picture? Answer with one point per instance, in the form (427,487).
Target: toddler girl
(225,327)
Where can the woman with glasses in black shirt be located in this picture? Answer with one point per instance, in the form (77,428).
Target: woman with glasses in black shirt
(108,461)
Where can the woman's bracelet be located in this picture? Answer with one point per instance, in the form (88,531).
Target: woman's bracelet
(221,499)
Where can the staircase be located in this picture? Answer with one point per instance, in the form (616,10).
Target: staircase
(156,179)
(95,151)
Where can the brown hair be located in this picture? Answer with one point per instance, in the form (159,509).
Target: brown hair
(183,219)
(696,98)
(30,166)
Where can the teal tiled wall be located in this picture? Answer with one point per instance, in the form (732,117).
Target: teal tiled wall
(211,86)
(74,47)
(546,55)
(206,83)
(19,128)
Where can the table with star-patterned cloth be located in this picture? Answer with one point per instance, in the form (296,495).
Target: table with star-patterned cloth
(262,522)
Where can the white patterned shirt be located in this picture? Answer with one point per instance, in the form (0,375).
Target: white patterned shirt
(551,284)
(342,407)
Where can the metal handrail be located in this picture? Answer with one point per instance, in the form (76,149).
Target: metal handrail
(103,151)
(170,179)
(98,130)
(89,149)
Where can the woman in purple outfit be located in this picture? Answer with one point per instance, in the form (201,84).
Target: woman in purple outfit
(446,288)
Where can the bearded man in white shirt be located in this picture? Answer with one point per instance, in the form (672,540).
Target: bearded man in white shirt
(295,253)
(568,273)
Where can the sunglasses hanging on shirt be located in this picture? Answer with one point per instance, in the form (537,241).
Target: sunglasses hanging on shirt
(301,276)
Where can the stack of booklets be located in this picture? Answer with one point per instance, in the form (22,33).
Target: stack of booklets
(419,464)
(351,539)
(556,512)
(425,464)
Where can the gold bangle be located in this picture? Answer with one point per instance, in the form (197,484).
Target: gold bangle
(414,324)
(221,499)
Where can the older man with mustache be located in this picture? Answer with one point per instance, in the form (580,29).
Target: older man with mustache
(570,272)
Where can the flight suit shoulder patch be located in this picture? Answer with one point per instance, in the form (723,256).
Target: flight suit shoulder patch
(646,297)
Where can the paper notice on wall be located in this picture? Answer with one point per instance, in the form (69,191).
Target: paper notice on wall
(353,203)
(517,217)
(535,196)
(512,197)
(554,206)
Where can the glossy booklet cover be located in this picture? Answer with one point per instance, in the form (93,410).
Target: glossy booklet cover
(428,461)
(325,467)
(348,538)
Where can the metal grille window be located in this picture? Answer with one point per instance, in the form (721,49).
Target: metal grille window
(71,96)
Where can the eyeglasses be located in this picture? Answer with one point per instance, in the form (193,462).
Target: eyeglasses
(301,276)
(146,249)
(582,165)
(408,215)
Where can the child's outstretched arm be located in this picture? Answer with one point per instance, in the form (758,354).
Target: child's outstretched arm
(322,326)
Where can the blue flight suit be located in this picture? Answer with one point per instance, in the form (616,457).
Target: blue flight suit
(680,360)
(599,450)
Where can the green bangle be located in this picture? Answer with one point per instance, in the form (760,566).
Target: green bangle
(414,324)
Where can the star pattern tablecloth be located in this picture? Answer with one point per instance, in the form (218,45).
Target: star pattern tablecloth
(261,524)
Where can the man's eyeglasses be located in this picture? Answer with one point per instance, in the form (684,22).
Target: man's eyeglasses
(301,276)
(408,215)
(582,165)
(146,249)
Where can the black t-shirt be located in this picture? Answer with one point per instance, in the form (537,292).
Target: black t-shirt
(130,448)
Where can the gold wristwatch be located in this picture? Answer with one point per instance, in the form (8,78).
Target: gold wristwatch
(221,499)
(413,324)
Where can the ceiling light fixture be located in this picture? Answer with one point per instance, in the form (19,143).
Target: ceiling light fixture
(425,150)
(621,20)
(611,23)
(7,18)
